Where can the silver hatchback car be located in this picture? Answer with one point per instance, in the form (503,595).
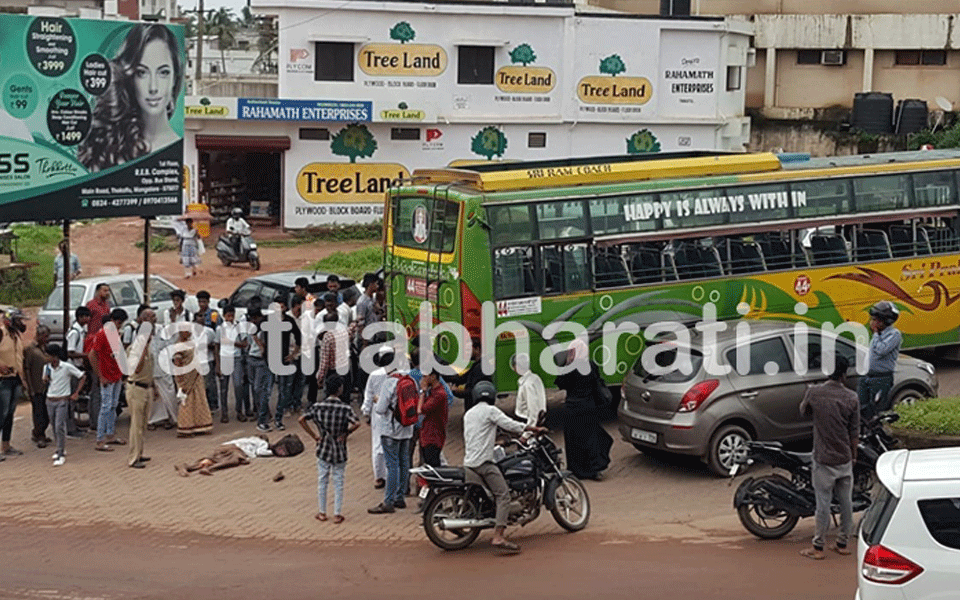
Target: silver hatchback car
(711,416)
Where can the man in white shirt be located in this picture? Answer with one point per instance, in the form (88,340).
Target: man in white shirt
(531,404)
(480,425)
(395,440)
(236,227)
(75,337)
(371,394)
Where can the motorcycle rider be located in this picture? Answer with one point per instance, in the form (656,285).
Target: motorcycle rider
(237,227)
(873,389)
(836,434)
(480,425)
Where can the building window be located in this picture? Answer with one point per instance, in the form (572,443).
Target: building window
(334,61)
(921,57)
(733,78)
(537,139)
(808,57)
(475,65)
(405,133)
(314,133)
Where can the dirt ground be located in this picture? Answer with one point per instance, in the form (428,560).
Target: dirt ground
(107,248)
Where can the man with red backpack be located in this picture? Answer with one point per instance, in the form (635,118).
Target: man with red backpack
(397,407)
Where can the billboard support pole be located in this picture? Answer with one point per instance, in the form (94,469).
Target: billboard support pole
(146,260)
(66,278)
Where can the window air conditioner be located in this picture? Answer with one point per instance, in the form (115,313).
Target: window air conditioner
(832,57)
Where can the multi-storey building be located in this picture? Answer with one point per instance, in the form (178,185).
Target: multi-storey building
(370,91)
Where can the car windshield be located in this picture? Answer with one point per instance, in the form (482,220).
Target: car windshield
(55,299)
(667,357)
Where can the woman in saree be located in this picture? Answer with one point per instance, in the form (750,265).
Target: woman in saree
(194,415)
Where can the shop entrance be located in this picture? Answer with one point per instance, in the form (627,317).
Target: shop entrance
(244,172)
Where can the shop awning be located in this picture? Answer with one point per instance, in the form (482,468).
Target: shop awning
(250,143)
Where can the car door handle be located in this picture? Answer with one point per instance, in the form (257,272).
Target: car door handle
(748,395)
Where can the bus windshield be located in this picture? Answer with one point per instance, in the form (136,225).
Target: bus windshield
(415,226)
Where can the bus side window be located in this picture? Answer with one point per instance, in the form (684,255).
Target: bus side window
(513,273)
(777,252)
(902,243)
(872,245)
(941,239)
(829,250)
(743,257)
(552,269)
(609,268)
(646,265)
(575,268)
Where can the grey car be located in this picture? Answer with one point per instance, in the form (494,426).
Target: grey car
(126,291)
(713,416)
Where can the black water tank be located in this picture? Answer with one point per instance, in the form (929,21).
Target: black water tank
(911,116)
(872,112)
(675,8)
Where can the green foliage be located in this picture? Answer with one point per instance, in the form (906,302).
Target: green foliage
(353,141)
(642,141)
(945,138)
(402,32)
(489,142)
(939,416)
(37,244)
(523,54)
(352,264)
(363,232)
(158,243)
(612,65)
(224,27)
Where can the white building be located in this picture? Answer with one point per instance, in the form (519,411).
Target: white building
(370,91)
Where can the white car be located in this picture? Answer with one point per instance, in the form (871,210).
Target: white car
(909,539)
(126,291)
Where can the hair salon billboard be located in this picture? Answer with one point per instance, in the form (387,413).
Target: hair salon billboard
(91,118)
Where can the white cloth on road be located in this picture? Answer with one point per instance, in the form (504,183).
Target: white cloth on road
(252,446)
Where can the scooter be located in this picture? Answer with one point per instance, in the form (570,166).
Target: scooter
(227,253)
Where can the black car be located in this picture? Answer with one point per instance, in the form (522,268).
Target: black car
(268,285)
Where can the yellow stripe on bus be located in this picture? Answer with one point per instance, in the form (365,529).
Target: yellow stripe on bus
(599,173)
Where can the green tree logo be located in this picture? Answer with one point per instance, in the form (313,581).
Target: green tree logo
(205,101)
(612,65)
(489,142)
(642,141)
(523,54)
(354,140)
(402,32)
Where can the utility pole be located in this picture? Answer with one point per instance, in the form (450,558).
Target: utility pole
(200,28)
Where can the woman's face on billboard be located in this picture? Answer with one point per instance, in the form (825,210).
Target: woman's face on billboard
(153,78)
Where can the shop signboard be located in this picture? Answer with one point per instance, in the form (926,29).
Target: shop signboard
(91,118)
(285,109)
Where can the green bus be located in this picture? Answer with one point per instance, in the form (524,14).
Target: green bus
(646,239)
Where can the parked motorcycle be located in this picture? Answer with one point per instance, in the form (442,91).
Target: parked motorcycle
(769,506)
(227,250)
(457,508)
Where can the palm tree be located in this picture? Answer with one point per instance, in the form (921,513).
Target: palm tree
(224,26)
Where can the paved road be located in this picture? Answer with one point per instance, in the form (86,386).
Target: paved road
(81,563)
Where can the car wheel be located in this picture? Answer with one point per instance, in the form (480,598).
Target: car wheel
(908,396)
(727,447)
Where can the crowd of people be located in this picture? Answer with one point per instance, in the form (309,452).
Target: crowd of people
(183,380)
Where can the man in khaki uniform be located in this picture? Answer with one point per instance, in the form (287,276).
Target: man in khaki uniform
(140,388)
